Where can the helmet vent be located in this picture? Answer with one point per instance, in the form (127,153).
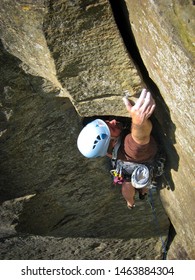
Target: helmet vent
(103,136)
(98,138)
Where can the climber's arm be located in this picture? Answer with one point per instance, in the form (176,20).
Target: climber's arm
(140,113)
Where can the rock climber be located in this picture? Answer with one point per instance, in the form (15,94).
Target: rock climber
(99,138)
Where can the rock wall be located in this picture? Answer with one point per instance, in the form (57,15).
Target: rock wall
(50,194)
(22,35)
(83,37)
(52,50)
(164,33)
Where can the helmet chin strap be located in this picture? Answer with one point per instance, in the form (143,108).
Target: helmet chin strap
(114,138)
(114,141)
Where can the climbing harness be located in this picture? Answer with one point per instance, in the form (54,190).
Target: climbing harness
(151,202)
(140,174)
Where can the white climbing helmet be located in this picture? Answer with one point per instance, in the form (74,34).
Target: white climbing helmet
(94,139)
(140,177)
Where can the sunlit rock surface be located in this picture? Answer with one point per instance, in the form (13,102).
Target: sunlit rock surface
(164,33)
(50,194)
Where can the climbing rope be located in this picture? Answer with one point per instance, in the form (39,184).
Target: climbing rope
(151,202)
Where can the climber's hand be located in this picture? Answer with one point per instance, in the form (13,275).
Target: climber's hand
(142,109)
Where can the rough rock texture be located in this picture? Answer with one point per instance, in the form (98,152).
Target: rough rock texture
(50,194)
(83,37)
(164,33)
(49,248)
(47,188)
(22,34)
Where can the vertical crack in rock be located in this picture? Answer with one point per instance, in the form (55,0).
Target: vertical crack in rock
(164,36)
(123,22)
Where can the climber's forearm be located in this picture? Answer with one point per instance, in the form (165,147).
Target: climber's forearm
(141,133)
(140,113)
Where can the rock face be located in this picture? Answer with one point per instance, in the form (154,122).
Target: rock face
(164,33)
(50,194)
(83,37)
(48,189)
(24,37)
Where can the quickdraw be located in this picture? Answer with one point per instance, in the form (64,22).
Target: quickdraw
(117,176)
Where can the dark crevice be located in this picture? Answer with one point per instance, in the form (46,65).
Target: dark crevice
(171,236)
(163,127)
(124,120)
(164,135)
(121,16)
(122,20)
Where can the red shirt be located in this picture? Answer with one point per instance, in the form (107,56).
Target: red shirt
(132,151)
